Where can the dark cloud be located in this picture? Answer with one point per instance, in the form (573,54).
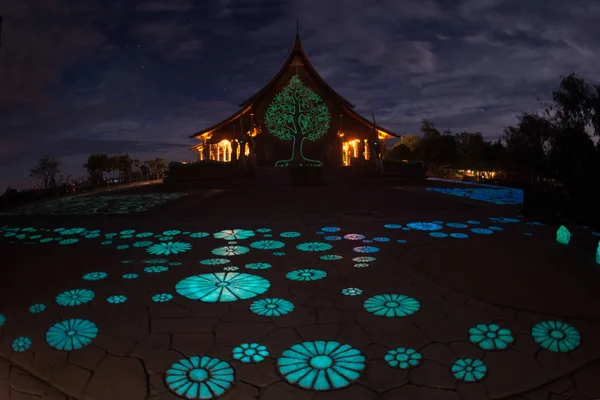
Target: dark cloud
(140,76)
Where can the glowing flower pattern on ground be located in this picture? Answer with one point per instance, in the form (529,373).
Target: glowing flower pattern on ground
(366,249)
(314,246)
(392,305)
(331,229)
(321,365)
(222,287)
(75,297)
(230,269)
(403,358)
(69,241)
(272,307)
(198,235)
(130,276)
(457,225)
(332,238)
(234,234)
(556,336)
(458,235)
(330,257)
(361,265)
(116,299)
(364,259)
(200,377)
(468,369)
(143,243)
(215,261)
(95,276)
(267,245)
(482,231)
(21,344)
(490,337)
(228,251)
(166,249)
(258,265)
(2,320)
(250,352)
(37,308)
(290,234)
(354,236)
(155,269)
(392,226)
(424,226)
(162,297)
(72,334)
(144,234)
(352,291)
(306,275)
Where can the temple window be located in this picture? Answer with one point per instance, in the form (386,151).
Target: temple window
(349,151)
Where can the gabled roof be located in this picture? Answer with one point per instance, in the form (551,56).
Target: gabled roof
(365,121)
(222,123)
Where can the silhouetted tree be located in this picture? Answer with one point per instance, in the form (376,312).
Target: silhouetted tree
(435,149)
(399,151)
(97,166)
(410,141)
(46,170)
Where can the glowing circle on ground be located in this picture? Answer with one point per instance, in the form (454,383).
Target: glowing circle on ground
(165,249)
(215,261)
(37,308)
(130,276)
(314,246)
(391,305)
(392,226)
(116,299)
(424,226)
(438,234)
(556,336)
(458,235)
(250,352)
(401,241)
(234,234)
(490,337)
(198,235)
(267,245)
(69,241)
(156,261)
(354,236)
(222,287)
(143,243)
(352,291)
(495,228)
(321,365)
(456,225)
(228,251)
(75,297)
(272,307)
(381,239)
(95,276)
(332,238)
(331,229)
(330,257)
(144,234)
(200,377)
(361,265)
(258,265)
(482,231)
(403,358)
(155,269)
(290,234)
(279,253)
(21,344)
(2,320)
(122,246)
(162,297)
(71,334)
(231,268)
(304,275)
(366,249)
(468,369)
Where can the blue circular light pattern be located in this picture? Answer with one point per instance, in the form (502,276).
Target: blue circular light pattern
(424,226)
(490,337)
(366,249)
(332,238)
(222,287)
(392,226)
(155,269)
(468,369)
(122,246)
(381,239)
(330,257)
(127,232)
(75,297)
(495,228)
(199,235)
(37,308)
(258,265)
(250,352)
(321,365)
(364,259)
(354,236)
(482,231)
(392,305)
(130,276)
(458,235)
(215,261)
(200,377)
(556,336)
(402,241)
(116,299)
(165,249)
(438,234)
(171,232)
(71,334)
(267,245)
(352,291)
(473,222)
(263,230)
(320,232)
(166,238)
(314,246)
(144,234)
(144,243)
(279,253)
(403,358)
(2,320)
(304,275)
(331,229)
(456,225)
(234,234)
(272,307)
(162,297)
(290,234)
(95,276)
(65,242)
(126,236)
(21,344)
(229,251)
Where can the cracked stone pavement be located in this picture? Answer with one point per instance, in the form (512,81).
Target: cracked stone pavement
(506,278)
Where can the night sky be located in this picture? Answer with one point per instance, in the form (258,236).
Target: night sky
(112,76)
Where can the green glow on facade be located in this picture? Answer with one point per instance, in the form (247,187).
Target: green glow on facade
(250,352)
(468,369)
(392,305)
(556,336)
(200,377)
(490,337)
(272,307)
(72,334)
(222,287)
(297,114)
(321,365)
(403,358)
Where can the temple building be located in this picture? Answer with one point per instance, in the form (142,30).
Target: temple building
(295,118)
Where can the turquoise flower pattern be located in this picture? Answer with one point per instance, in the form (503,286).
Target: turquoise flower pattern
(364,259)
(314,246)
(215,261)
(75,297)
(155,269)
(402,358)
(162,297)
(168,248)
(468,369)
(490,337)
(71,334)
(354,236)
(143,243)
(352,291)
(321,365)
(234,234)
(330,257)
(290,234)
(37,308)
(366,249)
(95,276)
(267,245)
(258,265)
(250,352)
(222,287)
(556,336)
(116,299)
(228,251)
(198,235)
(130,276)
(304,275)
(272,307)
(200,377)
(2,320)
(21,344)
(392,305)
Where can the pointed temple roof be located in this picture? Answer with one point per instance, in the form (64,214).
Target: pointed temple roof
(296,52)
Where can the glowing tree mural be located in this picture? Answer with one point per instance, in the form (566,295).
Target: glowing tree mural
(297,113)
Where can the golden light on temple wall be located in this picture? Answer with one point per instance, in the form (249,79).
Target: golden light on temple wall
(340,134)
(349,151)
(382,135)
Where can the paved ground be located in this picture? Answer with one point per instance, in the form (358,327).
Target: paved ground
(499,277)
